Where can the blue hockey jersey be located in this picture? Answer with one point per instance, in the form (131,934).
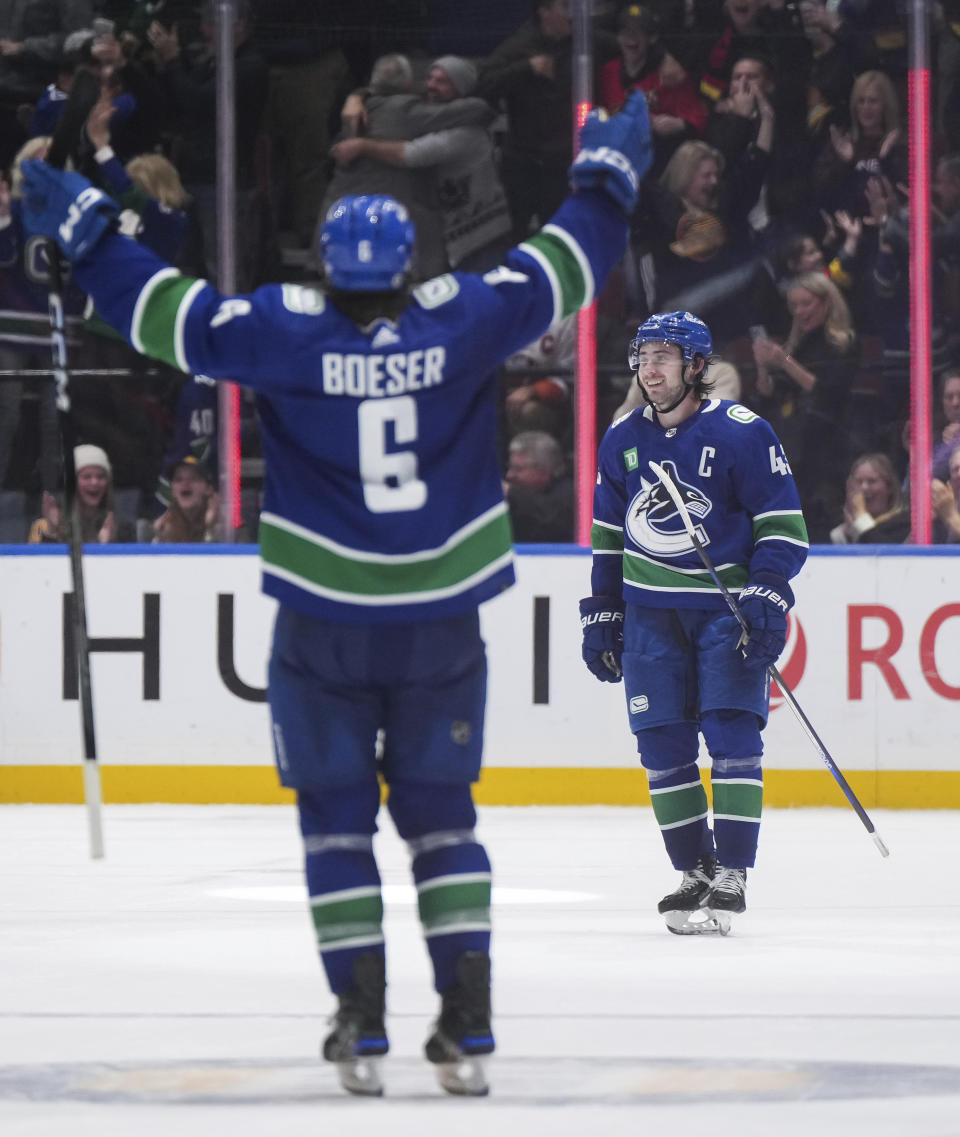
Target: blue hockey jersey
(25,286)
(737,486)
(382,498)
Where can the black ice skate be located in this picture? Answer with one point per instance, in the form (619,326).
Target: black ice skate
(683,910)
(359,1039)
(462,1035)
(727,896)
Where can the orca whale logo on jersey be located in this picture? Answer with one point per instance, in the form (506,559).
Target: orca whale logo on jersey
(653,522)
(36,262)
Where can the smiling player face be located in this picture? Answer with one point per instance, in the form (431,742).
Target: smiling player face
(660,373)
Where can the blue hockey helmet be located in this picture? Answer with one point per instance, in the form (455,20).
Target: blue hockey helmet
(366,244)
(684,329)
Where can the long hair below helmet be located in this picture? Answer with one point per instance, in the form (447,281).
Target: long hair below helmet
(366,244)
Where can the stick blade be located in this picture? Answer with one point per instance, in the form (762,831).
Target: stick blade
(93,799)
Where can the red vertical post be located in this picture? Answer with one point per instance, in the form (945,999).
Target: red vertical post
(921,313)
(585,406)
(228,394)
(585,462)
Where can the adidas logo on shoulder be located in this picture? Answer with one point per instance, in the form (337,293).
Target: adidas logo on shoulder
(385,337)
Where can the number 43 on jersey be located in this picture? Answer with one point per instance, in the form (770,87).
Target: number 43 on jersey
(778,461)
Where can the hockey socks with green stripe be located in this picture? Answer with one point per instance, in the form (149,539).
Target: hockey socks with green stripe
(680,807)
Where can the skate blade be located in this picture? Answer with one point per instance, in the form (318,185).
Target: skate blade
(360,1076)
(463,1078)
(699,922)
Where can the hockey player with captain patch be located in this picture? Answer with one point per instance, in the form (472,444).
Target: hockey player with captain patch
(657,621)
(384,528)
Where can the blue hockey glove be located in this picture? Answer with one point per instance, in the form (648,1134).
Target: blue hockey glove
(601,621)
(615,153)
(764,604)
(65,207)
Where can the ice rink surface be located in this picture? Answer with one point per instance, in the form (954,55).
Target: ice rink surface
(173,988)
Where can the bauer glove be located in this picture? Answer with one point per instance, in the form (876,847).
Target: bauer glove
(615,153)
(66,208)
(764,604)
(601,621)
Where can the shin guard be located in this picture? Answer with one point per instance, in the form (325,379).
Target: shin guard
(451,871)
(680,807)
(343,881)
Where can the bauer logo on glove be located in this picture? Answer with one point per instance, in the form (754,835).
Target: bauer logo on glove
(767,594)
(601,622)
(764,605)
(600,617)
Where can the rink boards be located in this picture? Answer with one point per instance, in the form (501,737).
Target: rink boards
(180,642)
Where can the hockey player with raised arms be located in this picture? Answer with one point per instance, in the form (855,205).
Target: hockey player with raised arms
(383,529)
(657,620)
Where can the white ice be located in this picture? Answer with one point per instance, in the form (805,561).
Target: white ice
(173,988)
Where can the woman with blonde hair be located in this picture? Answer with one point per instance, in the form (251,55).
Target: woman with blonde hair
(873,146)
(874,512)
(149,187)
(827,299)
(694,228)
(874,106)
(693,175)
(157,177)
(803,388)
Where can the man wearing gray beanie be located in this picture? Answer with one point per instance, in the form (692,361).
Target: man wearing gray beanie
(468,193)
(461,73)
(393,114)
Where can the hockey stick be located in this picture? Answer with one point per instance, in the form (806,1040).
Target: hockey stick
(83,96)
(774,674)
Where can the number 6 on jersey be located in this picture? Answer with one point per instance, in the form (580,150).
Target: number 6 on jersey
(390,482)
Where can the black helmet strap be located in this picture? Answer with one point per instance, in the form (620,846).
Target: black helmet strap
(687,388)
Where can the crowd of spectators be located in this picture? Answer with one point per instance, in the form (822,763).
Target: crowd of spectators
(775,210)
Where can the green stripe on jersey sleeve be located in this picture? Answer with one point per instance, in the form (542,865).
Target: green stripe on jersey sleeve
(788,525)
(159,314)
(567,267)
(606,538)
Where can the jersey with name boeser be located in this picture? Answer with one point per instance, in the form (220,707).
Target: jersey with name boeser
(736,483)
(383,497)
